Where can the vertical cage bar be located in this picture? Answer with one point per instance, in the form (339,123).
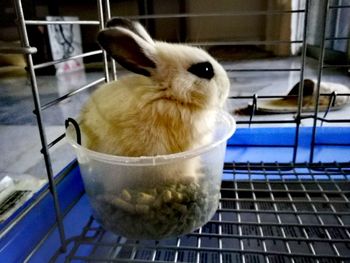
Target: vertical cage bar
(319,76)
(199,243)
(310,245)
(340,221)
(301,86)
(240,232)
(178,244)
(256,207)
(319,218)
(102,26)
(220,233)
(35,93)
(108,16)
(279,220)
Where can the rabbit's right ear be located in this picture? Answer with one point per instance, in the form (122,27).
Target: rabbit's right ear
(129,49)
(133,26)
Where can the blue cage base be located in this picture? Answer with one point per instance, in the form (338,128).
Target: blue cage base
(271,210)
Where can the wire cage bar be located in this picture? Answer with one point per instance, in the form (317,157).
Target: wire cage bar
(269,212)
(25,43)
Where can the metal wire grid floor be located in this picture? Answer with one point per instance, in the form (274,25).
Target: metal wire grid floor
(291,219)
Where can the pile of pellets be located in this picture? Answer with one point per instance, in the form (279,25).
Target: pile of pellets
(164,211)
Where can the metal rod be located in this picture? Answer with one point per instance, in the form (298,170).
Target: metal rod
(266,237)
(337,66)
(201,249)
(36,99)
(102,26)
(282,202)
(241,243)
(18,50)
(220,234)
(283,96)
(331,144)
(339,6)
(333,120)
(331,103)
(319,75)
(254,107)
(178,243)
(286,171)
(282,167)
(76,127)
(108,16)
(263,70)
(297,174)
(250,254)
(51,63)
(339,219)
(221,14)
(76,245)
(265,122)
(279,220)
(54,142)
(315,172)
(337,38)
(321,221)
(54,102)
(259,145)
(301,83)
(300,221)
(263,97)
(66,22)
(256,207)
(198,246)
(242,43)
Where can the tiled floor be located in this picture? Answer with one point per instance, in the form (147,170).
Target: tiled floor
(279,83)
(19,137)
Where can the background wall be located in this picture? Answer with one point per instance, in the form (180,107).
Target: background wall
(226,27)
(192,29)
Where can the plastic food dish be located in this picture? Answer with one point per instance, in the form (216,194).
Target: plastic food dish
(155,197)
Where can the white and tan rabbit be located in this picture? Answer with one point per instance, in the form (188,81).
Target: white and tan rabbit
(167,107)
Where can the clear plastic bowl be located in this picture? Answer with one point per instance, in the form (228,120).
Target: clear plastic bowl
(155,197)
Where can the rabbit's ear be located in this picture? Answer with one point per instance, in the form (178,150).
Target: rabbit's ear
(128,49)
(133,26)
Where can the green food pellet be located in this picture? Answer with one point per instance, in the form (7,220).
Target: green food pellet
(143,198)
(181,208)
(120,203)
(178,197)
(126,195)
(171,208)
(141,209)
(167,195)
(153,192)
(158,203)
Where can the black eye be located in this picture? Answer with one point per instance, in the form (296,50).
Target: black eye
(203,70)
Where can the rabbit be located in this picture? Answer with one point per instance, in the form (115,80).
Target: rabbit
(166,107)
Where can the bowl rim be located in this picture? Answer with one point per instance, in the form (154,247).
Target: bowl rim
(158,159)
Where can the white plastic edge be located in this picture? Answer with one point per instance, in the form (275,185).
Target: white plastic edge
(159,159)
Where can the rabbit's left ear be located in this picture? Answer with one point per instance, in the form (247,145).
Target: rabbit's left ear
(128,49)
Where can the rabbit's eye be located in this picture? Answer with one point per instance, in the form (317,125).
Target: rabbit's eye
(202,70)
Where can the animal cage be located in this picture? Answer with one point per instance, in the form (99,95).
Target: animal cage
(285,188)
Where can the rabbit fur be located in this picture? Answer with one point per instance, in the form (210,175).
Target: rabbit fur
(164,108)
